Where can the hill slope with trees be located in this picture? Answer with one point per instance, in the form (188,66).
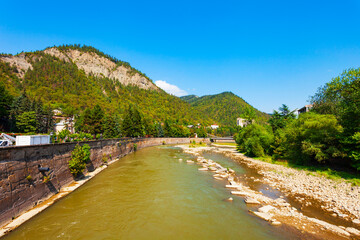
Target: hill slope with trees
(225,108)
(35,80)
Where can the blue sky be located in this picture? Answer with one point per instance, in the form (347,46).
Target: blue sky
(267,52)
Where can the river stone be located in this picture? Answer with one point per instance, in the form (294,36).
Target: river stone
(189,161)
(265,216)
(239,193)
(250,200)
(266,209)
(275,223)
(356,221)
(353,231)
(233,186)
(202,169)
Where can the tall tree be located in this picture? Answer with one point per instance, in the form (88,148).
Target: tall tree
(132,125)
(5,104)
(280,118)
(26,122)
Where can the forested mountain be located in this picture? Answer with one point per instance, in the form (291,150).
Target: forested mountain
(75,77)
(224,108)
(189,98)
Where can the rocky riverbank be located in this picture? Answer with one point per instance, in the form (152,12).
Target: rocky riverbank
(337,199)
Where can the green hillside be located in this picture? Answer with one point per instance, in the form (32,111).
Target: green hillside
(61,84)
(224,108)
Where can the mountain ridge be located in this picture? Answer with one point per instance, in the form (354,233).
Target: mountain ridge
(78,77)
(223,107)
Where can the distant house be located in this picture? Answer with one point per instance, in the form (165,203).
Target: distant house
(242,122)
(190,126)
(305,109)
(214,126)
(62,122)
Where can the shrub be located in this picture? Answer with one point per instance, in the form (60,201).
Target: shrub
(255,140)
(135,146)
(313,138)
(104,158)
(79,157)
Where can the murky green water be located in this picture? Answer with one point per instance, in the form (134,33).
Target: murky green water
(149,195)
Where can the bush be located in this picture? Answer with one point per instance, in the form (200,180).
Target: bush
(104,158)
(255,140)
(313,138)
(79,157)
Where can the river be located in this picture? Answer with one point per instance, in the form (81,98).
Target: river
(150,194)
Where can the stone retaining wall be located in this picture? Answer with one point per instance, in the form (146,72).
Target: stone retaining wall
(19,193)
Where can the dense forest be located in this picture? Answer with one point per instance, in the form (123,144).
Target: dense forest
(327,136)
(224,108)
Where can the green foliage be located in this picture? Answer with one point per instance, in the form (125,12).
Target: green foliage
(224,108)
(26,122)
(201,132)
(173,129)
(313,137)
(255,140)
(111,126)
(29,178)
(5,103)
(104,158)
(61,85)
(91,121)
(341,97)
(63,134)
(9,78)
(79,157)
(281,118)
(135,146)
(354,153)
(132,125)
(29,116)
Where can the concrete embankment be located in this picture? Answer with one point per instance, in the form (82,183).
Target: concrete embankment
(23,186)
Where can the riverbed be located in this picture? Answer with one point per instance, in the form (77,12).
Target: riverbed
(150,194)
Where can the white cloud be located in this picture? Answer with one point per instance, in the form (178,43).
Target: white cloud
(169,88)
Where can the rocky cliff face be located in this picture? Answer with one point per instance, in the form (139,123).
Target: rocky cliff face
(90,62)
(19,61)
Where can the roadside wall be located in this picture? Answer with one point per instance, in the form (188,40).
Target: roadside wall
(18,194)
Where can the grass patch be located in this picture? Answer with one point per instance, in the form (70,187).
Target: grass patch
(229,144)
(353,178)
(193,144)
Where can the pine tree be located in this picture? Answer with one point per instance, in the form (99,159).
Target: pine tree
(5,103)
(132,125)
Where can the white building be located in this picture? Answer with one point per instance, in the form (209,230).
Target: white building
(214,126)
(305,109)
(62,122)
(242,122)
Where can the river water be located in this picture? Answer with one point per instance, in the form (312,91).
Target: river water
(150,195)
